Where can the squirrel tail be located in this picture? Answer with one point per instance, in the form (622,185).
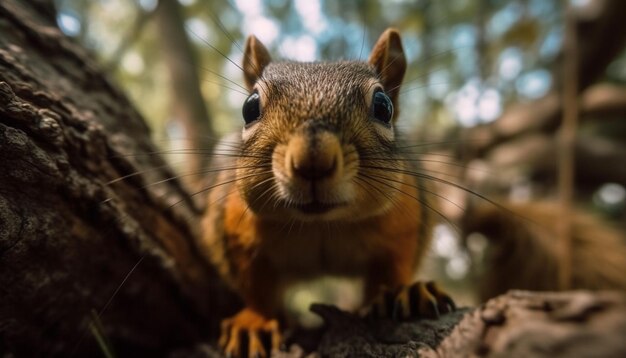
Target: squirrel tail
(523,250)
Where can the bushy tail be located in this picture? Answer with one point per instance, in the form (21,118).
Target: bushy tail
(524,249)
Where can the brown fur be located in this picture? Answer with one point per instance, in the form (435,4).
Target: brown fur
(524,249)
(315,141)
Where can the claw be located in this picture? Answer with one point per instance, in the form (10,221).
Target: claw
(444,302)
(402,304)
(224,334)
(255,346)
(243,335)
(424,302)
(232,347)
(382,305)
(275,337)
(419,300)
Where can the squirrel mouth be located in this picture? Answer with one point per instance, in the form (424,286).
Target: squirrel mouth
(316,207)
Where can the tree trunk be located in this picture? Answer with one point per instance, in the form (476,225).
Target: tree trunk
(68,236)
(187,105)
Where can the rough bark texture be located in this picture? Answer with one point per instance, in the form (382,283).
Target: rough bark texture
(68,238)
(517,324)
(350,336)
(526,324)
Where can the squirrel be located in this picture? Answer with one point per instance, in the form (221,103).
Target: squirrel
(317,184)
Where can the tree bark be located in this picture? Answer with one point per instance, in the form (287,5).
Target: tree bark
(517,324)
(69,236)
(527,324)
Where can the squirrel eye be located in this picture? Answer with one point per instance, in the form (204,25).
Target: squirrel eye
(382,108)
(251,108)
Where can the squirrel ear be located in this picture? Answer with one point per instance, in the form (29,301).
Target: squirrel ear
(388,60)
(255,58)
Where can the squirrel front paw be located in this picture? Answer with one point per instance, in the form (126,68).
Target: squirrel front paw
(419,300)
(249,334)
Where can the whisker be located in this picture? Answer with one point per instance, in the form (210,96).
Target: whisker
(188,151)
(430,58)
(211,139)
(429,154)
(422,160)
(221,84)
(259,197)
(213,48)
(211,170)
(222,28)
(361,181)
(223,197)
(422,202)
(262,182)
(293,221)
(140,172)
(211,187)
(394,200)
(446,142)
(419,187)
(363,38)
(458,186)
(226,79)
(424,86)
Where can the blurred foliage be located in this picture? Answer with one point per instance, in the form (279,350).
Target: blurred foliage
(468,59)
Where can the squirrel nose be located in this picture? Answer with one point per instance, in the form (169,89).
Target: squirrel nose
(314,157)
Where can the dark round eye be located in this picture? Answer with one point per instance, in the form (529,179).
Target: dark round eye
(251,108)
(382,108)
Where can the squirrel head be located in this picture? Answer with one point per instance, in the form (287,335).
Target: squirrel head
(319,138)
